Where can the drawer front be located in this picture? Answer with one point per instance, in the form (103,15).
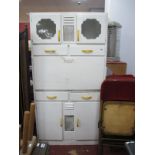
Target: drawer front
(49,50)
(87,50)
(84,96)
(51,96)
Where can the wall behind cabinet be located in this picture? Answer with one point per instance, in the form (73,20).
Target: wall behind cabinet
(26,6)
(123,11)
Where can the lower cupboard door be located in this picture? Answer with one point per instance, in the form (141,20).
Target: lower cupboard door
(86,120)
(49,120)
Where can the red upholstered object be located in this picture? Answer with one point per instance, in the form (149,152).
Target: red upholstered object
(22,27)
(118,88)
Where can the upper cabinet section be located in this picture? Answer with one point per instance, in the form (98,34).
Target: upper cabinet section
(45,27)
(91,28)
(80,28)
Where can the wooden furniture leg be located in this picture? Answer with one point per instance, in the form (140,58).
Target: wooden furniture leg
(31,122)
(25,131)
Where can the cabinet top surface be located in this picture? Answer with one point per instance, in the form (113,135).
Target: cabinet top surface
(66,13)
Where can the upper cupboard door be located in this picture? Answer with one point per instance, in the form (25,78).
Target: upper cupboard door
(92,28)
(45,28)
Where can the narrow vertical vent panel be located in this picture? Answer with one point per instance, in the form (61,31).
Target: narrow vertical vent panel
(68,20)
(68,28)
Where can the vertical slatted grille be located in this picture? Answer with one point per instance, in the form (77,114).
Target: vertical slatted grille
(68,28)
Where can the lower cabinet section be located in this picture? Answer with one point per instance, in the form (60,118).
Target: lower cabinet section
(67,120)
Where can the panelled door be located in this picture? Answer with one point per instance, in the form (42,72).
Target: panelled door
(86,119)
(91,28)
(49,120)
(45,28)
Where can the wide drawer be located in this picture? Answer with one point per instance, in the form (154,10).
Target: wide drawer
(84,96)
(51,96)
(49,50)
(87,50)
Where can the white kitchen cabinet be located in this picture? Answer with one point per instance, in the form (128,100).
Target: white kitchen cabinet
(49,118)
(68,64)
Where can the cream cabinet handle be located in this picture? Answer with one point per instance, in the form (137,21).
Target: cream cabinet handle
(51,97)
(86,97)
(50,51)
(78,122)
(61,122)
(87,51)
(59,35)
(78,35)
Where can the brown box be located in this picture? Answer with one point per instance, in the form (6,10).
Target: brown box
(117,68)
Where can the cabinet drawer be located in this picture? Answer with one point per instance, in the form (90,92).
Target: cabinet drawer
(51,96)
(49,50)
(85,96)
(87,50)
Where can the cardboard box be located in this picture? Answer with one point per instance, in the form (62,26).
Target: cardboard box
(117,68)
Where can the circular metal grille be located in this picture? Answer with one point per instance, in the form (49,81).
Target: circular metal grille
(46,28)
(91,28)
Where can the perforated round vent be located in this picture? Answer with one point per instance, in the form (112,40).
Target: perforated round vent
(91,28)
(46,28)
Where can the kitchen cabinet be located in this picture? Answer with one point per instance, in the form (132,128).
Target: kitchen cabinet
(68,65)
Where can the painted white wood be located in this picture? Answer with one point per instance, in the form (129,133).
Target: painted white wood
(80,50)
(49,115)
(50,73)
(68,19)
(50,50)
(68,109)
(72,142)
(86,73)
(101,18)
(84,96)
(87,113)
(35,18)
(64,73)
(50,96)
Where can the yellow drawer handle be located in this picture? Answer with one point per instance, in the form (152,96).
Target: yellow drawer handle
(78,122)
(59,35)
(86,97)
(78,35)
(51,97)
(50,51)
(61,122)
(87,51)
